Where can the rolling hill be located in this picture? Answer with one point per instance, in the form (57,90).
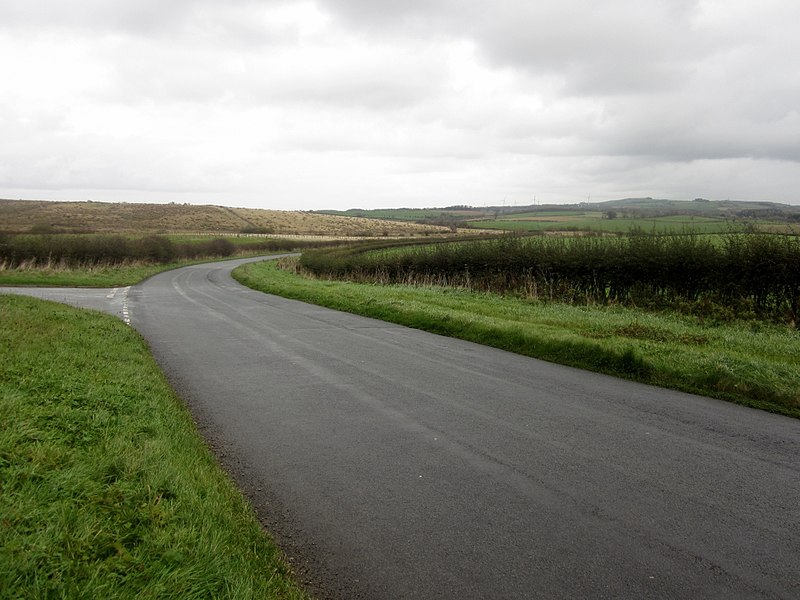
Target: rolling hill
(35,216)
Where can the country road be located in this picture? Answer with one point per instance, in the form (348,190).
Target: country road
(391,463)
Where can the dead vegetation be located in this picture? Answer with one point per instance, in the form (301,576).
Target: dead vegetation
(33,216)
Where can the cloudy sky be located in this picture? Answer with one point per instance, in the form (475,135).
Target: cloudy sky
(379,103)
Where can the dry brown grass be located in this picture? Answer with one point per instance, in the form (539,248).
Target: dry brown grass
(22,216)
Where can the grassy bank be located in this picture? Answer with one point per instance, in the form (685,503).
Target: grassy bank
(107,489)
(750,363)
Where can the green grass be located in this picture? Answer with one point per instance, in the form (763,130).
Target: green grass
(101,276)
(107,489)
(90,276)
(754,364)
(618,225)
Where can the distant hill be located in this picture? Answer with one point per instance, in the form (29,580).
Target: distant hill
(650,207)
(32,216)
(633,208)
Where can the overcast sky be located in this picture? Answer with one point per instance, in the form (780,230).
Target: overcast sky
(379,103)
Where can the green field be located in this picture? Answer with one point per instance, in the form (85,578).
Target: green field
(648,214)
(108,491)
(750,363)
(590,222)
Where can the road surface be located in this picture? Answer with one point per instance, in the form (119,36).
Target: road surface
(392,463)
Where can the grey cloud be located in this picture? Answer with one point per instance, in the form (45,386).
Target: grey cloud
(566,94)
(380,79)
(388,15)
(594,47)
(364,84)
(101,162)
(138,18)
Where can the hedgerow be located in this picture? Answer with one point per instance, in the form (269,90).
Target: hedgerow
(743,274)
(85,250)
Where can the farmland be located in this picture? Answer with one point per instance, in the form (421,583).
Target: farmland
(28,216)
(616,216)
(597,222)
(110,244)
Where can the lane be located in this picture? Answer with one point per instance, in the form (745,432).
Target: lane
(401,464)
(111,300)
(392,463)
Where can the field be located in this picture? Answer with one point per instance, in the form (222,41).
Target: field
(752,363)
(108,491)
(27,216)
(616,216)
(404,214)
(597,222)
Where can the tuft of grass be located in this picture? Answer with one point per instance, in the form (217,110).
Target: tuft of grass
(107,489)
(756,365)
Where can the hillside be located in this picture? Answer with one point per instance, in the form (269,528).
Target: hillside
(22,216)
(650,207)
(648,214)
(632,207)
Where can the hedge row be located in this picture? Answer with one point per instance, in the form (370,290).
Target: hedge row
(114,249)
(757,272)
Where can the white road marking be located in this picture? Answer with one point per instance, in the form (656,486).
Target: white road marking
(126,317)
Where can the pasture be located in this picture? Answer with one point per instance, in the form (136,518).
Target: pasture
(598,222)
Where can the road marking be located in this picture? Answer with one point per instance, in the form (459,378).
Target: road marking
(126,316)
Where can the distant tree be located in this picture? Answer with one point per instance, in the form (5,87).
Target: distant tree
(611,214)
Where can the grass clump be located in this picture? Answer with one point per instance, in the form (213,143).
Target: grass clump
(107,489)
(755,364)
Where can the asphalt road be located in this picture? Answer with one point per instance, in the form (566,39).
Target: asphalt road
(392,463)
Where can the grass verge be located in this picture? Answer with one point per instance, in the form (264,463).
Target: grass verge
(754,364)
(107,489)
(100,276)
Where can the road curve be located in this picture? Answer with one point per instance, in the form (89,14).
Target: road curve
(392,463)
